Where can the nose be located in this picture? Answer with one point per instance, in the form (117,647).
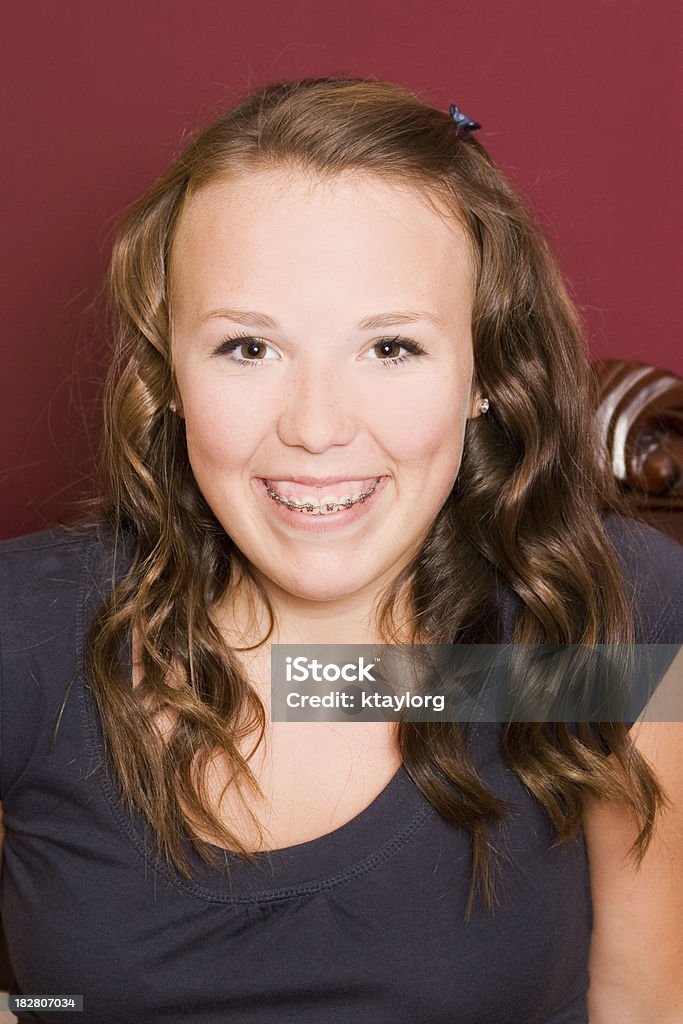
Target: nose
(318,409)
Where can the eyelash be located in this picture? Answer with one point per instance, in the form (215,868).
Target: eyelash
(236,340)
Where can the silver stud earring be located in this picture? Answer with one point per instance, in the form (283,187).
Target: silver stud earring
(173,407)
(484,405)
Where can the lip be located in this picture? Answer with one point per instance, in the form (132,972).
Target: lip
(322,481)
(333,522)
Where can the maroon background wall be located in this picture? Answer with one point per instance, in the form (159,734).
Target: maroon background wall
(579,103)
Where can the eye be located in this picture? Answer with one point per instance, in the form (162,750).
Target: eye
(386,346)
(253,349)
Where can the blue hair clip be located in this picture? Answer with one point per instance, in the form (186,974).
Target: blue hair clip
(462,121)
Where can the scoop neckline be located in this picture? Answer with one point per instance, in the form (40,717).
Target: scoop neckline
(281,852)
(372,834)
(353,849)
(359,845)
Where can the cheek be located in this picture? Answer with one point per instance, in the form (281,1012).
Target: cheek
(429,434)
(220,434)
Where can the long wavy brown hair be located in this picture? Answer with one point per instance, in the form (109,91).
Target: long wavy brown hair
(527,506)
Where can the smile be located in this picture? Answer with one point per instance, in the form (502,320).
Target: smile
(327,505)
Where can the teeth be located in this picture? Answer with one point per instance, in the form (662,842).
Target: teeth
(330,503)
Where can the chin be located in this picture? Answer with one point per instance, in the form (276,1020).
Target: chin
(320,591)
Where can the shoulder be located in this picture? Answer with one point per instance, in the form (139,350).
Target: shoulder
(653,571)
(38,552)
(43,574)
(51,584)
(49,581)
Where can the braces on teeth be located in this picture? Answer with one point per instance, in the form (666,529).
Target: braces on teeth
(325,509)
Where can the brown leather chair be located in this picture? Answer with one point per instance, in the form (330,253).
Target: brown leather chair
(640,422)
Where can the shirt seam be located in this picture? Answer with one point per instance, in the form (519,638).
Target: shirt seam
(665,619)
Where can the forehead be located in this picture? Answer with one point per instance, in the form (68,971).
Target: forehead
(284,232)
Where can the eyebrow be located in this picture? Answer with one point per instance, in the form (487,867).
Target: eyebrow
(251,318)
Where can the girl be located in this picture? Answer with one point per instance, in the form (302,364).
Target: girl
(350,403)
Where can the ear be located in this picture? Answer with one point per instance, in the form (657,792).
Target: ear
(475,407)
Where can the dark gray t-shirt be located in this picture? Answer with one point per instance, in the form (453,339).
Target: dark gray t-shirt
(363,925)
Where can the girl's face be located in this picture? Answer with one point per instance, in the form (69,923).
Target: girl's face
(322,341)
